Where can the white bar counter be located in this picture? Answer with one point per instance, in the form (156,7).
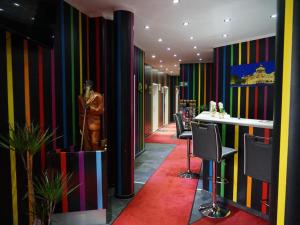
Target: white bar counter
(207,117)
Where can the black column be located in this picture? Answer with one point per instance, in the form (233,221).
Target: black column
(124,114)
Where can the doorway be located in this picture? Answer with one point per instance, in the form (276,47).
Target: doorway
(154,107)
(166,105)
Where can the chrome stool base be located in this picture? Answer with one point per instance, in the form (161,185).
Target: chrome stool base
(214,211)
(189,175)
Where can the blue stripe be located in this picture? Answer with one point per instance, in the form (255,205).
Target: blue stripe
(210,175)
(99,179)
(224,75)
(63,74)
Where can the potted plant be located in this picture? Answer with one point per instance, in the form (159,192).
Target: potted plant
(48,192)
(27,142)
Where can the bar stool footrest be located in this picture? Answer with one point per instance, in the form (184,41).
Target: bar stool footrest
(189,175)
(214,211)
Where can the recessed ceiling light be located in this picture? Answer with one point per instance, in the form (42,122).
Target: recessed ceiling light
(147,27)
(171,71)
(175,65)
(169,49)
(160,39)
(153,56)
(160,61)
(161,66)
(225,35)
(175,55)
(167,69)
(192,38)
(198,54)
(179,60)
(175,1)
(185,23)
(1,9)
(227,20)
(195,47)
(273,16)
(16,4)
(200,59)
(32,18)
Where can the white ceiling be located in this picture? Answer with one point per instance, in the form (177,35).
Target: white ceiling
(250,19)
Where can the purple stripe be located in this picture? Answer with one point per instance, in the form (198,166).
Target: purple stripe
(53,97)
(81,180)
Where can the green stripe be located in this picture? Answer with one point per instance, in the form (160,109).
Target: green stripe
(73,77)
(194,82)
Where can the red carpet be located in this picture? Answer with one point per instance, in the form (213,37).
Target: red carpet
(237,217)
(165,198)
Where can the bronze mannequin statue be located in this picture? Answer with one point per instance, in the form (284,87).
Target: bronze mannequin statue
(91,106)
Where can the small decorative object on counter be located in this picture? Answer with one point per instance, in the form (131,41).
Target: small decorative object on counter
(212,108)
(221,110)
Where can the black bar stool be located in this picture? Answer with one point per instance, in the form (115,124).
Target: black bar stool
(185,134)
(258,158)
(207,145)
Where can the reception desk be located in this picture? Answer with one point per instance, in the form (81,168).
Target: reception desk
(207,117)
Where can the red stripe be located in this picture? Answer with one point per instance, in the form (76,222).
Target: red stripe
(97,56)
(41,104)
(53,98)
(266,131)
(217,76)
(63,167)
(210,82)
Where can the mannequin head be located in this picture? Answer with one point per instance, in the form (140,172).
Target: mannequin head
(88,87)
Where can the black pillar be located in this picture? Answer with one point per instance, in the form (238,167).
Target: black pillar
(288,58)
(124,113)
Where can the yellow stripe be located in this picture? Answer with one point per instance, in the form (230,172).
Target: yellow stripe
(80,52)
(236,137)
(199,87)
(10,99)
(249,179)
(205,84)
(285,109)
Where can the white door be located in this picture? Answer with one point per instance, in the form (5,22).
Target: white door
(166,105)
(154,107)
(176,99)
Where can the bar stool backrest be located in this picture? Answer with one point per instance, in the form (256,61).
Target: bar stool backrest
(179,124)
(258,157)
(206,141)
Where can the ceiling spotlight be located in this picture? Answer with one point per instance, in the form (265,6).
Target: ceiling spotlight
(147,27)
(195,47)
(32,18)
(167,69)
(153,56)
(185,23)
(16,4)
(169,49)
(175,55)
(171,71)
(198,54)
(175,2)
(227,20)
(191,38)
(200,59)
(160,39)
(273,16)
(160,61)
(225,35)
(179,60)
(161,66)
(175,65)
(1,9)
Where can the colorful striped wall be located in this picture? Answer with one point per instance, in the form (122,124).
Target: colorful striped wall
(41,85)
(139,56)
(246,102)
(200,81)
(173,82)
